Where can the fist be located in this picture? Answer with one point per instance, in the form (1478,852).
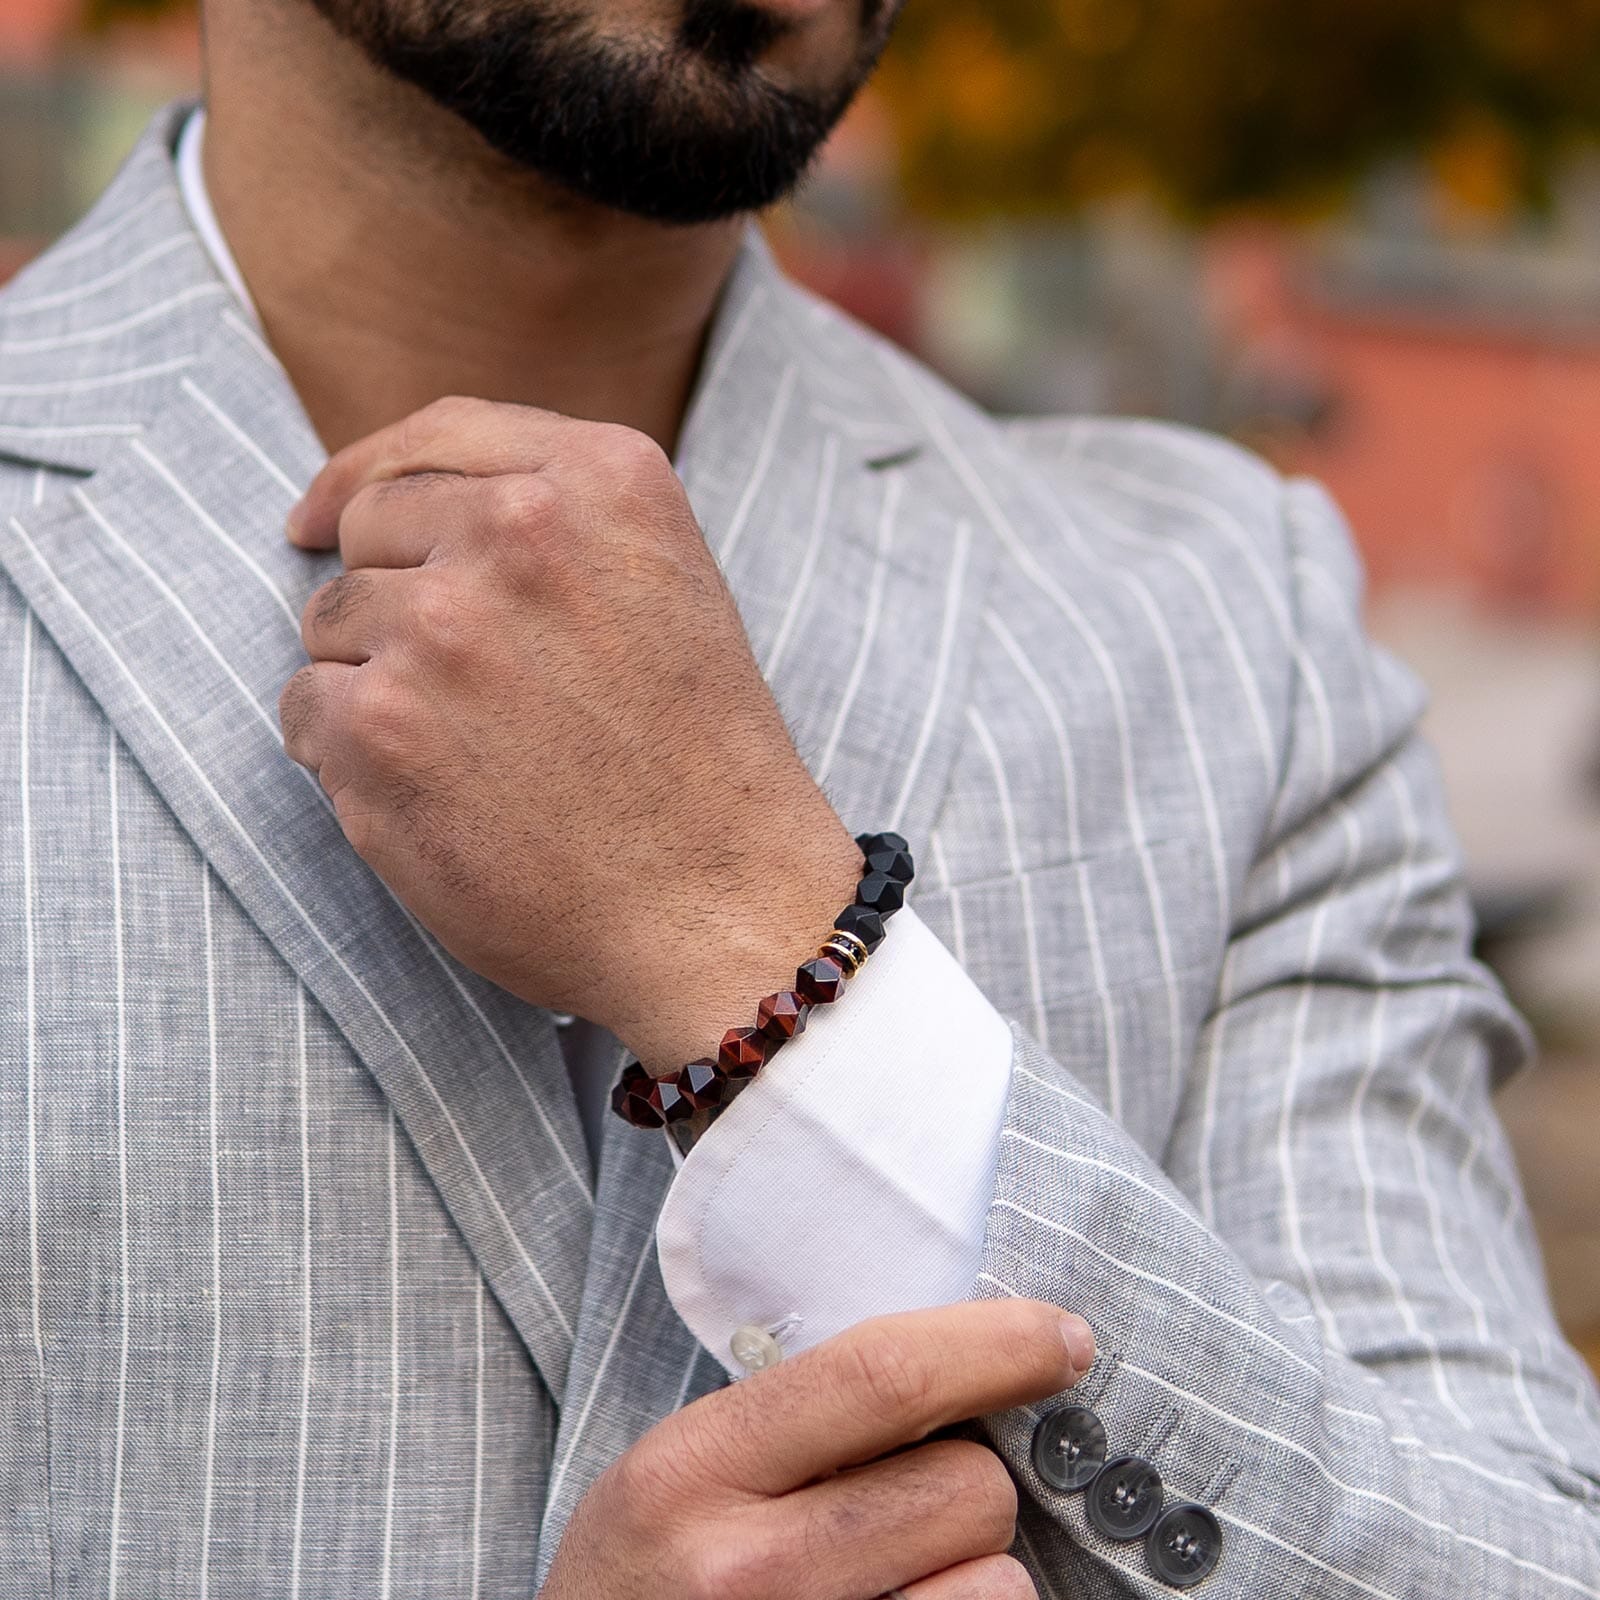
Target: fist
(533,705)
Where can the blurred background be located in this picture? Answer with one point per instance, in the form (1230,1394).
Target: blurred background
(1361,236)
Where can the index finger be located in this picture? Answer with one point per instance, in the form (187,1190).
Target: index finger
(887,1383)
(473,438)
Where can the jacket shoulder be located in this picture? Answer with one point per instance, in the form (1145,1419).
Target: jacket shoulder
(1172,481)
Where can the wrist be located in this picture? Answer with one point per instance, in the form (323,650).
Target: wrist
(712,963)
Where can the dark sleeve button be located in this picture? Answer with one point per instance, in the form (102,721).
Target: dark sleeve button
(1184,1545)
(1125,1499)
(1069,1446)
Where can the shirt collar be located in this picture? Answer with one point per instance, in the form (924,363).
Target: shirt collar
(197,200)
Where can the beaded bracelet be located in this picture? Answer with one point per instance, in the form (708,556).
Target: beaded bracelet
(709,1084)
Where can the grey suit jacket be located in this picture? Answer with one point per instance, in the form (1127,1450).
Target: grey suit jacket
(306,1286)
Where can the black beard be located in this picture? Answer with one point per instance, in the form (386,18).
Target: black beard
(691,133)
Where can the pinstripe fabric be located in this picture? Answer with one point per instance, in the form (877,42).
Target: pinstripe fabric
(305,1284)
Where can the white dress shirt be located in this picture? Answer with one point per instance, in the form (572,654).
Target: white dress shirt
(853,1177)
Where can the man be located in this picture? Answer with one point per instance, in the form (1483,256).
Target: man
(1136,1219)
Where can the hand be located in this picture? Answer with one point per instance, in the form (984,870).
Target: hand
(535,709)
(782,1486)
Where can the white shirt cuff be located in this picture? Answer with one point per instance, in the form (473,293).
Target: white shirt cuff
(853,1176)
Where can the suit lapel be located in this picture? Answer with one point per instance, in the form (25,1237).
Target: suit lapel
(165,578)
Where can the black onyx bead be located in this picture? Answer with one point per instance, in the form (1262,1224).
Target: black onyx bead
(1069,1448)
(868,843)
(1184,1546)
(648,1102)
(781,1016)
(1125,1498)
(865,923)
(743,1053)
(894,864)
(820,981)
(702,1084)
(878,892)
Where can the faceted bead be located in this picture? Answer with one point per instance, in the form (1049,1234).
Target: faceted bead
(881,893)
(630,1098)
(865,923)
(894,864)
(666,1094)
(648,1102)
(781,1016)
(743,1053)
(820,981)
(702,1084)
(869,843)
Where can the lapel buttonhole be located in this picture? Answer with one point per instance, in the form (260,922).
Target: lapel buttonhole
(894,458)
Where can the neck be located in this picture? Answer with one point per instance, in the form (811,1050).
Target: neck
(394,258)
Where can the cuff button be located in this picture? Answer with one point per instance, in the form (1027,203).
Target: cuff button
(1125,1499)
(1069,1448)
(755,1349)
(1184,1545)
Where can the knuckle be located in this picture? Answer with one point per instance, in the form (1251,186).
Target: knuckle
(828,1532)
(627,1480)
(439,417)
(381,724)
(630,454)
(691,1457)
(525,501)
(524,508)
(887,1372)
(1023,1341)
(637,1478)
(436,616)
(336,599)
(965,1486)
(742,1567)
(993,1497)
(366,503)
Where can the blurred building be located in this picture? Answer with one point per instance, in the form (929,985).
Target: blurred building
(70,107)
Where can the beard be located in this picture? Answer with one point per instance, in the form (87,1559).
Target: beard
(685,132)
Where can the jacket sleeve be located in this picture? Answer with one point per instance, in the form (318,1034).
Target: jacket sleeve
(1320,1314)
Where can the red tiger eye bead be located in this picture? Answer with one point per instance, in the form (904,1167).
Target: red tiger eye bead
(743,1053)
(648,1102)
(701,1083)
(665,1094)
(820,981)
(781,1016)
(631,1098)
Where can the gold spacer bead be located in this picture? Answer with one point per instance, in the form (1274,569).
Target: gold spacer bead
(850,951)
(848,959)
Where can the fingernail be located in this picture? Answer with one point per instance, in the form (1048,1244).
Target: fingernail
(1078,1337)
(296,516)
